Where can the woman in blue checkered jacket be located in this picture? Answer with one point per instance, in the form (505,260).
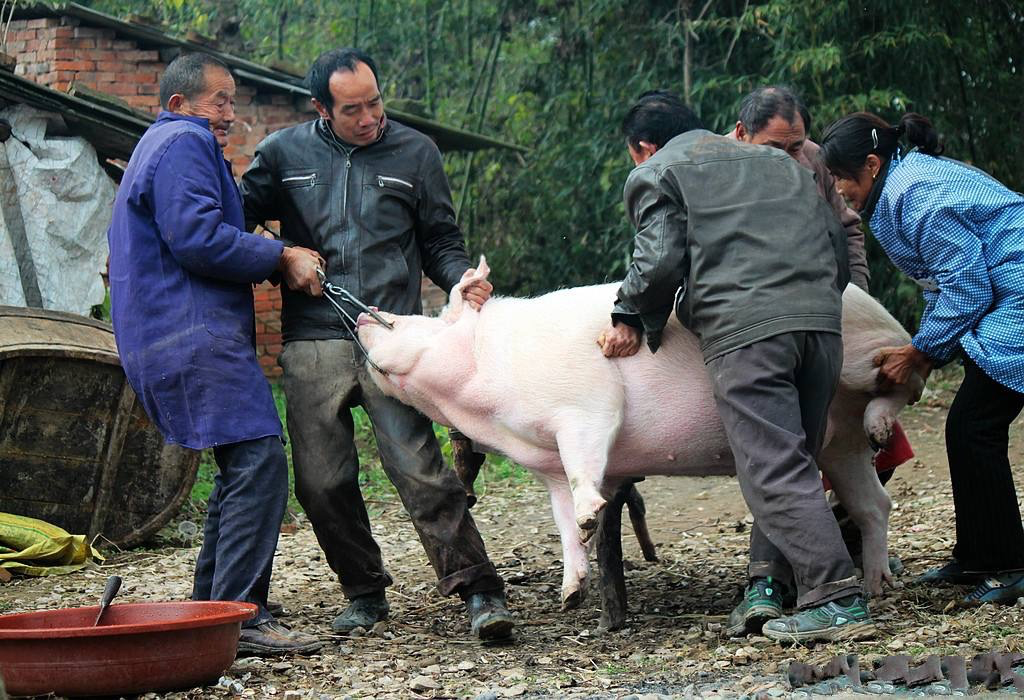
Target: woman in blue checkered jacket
(959,234)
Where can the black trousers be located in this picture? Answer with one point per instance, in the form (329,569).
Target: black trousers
(243,521)
(989,534)
(323,381)
(773,397)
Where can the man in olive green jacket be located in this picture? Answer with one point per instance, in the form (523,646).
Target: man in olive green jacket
(738,240)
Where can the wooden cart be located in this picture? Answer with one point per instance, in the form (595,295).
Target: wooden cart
(76,448)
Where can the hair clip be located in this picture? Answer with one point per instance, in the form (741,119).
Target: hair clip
(874,137)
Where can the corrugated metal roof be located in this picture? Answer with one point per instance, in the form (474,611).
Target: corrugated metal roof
(448,138)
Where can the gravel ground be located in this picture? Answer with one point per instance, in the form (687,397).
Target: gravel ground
(673,645)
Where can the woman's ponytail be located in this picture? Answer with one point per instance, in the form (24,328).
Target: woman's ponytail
(920,132)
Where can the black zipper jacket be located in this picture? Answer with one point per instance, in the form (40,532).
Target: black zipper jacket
(381,215)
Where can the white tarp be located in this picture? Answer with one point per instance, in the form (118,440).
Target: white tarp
(55,208)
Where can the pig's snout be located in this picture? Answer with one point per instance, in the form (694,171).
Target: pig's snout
(363,319)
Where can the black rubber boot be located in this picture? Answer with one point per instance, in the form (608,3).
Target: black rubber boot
(363,611)
(489,619)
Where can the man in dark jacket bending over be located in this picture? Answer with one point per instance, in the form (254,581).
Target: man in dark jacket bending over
(371,196)
(739,239)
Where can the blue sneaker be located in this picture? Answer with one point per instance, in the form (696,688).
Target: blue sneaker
(998,588)
(830,622)
(952,573)
(762,601)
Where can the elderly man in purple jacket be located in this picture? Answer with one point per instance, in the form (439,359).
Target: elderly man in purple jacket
(181,270)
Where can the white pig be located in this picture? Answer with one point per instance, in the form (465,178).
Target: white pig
(526,378)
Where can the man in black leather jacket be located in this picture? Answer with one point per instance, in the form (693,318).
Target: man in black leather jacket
(371,196)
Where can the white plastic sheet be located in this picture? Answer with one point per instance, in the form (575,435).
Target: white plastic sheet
(55,207)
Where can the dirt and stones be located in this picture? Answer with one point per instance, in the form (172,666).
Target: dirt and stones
(672,646)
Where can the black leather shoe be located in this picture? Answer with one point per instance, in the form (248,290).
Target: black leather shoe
(273,639)
(363,611)
(489,619)
(950,574)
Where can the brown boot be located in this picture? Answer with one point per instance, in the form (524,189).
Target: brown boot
(272,639)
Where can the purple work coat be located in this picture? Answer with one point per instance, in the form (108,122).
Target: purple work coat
(181,270)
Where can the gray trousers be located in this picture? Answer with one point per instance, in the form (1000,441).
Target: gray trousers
(323,381)
(773,397)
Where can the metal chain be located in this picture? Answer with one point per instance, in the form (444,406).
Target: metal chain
(350,324)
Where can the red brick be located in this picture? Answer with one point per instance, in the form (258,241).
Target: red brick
(43,22)
(15,48)
(140,56)
(74,65)
(34,44)
(23,35)
(139,100)
(120,89)
(105,55)
(64,32)
(103,42)
(110,66)
(63,54)
(139,77)
(91,32)
(150,89)
(82,43)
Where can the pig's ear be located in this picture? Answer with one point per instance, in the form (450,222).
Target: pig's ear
(456,304)
(453,309)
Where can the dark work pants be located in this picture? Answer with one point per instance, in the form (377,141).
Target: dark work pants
(323,381)
(989,535)
(243,520)
(773,397)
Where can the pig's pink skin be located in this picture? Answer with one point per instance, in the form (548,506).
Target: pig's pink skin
(526,378)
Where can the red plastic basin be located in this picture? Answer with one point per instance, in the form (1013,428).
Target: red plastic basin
(138,647)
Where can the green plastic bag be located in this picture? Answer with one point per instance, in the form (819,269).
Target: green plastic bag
(31,547)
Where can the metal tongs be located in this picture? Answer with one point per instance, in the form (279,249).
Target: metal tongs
(345,295)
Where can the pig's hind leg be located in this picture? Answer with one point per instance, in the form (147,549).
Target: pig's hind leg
(575,567)
(848,464)
(583,446)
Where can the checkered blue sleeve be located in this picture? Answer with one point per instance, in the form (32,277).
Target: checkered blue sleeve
(957,262)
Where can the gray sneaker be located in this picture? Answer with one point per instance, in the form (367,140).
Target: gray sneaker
(830,622)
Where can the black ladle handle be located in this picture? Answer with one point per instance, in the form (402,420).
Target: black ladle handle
(109,591)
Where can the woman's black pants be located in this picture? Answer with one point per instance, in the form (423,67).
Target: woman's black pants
(989,534)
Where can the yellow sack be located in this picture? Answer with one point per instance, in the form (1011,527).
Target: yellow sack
(33,547)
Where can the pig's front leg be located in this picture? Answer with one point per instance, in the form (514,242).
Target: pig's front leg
(847,463)
(584,442)
(575,567)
